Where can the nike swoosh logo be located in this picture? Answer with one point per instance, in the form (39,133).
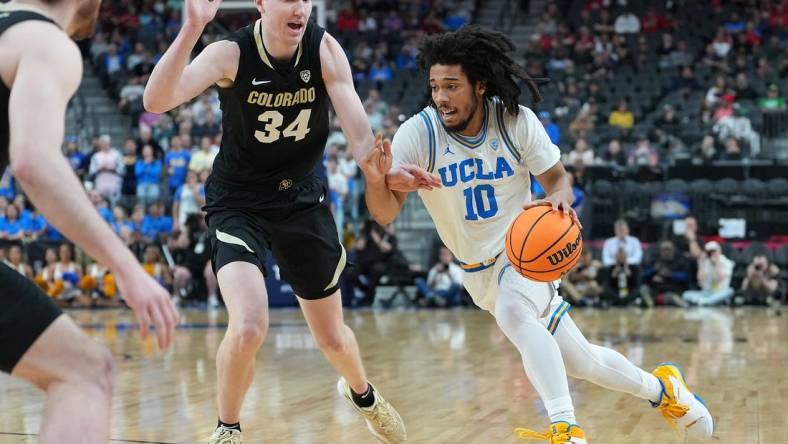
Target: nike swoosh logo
(261,82)
(322,197)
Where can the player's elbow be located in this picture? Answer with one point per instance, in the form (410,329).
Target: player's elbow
(153,103)
(23,163)
(383,218)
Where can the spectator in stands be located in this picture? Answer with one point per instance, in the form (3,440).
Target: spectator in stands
(622,241)
(553,131)
(121,224)
(622,117)
(149,174)
(668,122)
(581,153)
(743,90)
(113,62)
(202,159)
(707,150)
(76,158)
(773,101)
(761,285)
(17,262)
(67,274)
(686,243)
(131,97)
(580,285)
(129,182)
(37,227)
(188,199)
(686,82)
(191,250)
(585,121)
(722,43)
(156,223)
(154,265)
(177,163)
(137,218)
(739,126)
(106,167)
(46,279)
(376,254)
(622,285)
(714,277)
(614,156)
(669,275)
(209,128)
(146,138)
(627,23)
(732,150)
(11,226)
(100,203)
(348,167)
(443,284)
(7,185)
(717,93)
(98,284)
(643,155)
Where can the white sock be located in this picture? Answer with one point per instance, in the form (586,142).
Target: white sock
(603,366)
(516,315)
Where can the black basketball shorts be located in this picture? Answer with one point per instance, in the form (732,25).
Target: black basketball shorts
(25,312)
(294,224)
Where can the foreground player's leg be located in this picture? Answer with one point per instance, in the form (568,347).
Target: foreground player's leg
(243,287)
(77,375)
(517,310)
(608,368)
(338,343)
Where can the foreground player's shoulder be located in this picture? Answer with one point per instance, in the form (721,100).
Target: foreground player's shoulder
(45,49)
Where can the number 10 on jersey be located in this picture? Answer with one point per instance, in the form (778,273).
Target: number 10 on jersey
(475,206)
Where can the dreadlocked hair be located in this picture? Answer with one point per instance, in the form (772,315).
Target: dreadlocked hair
(485,56)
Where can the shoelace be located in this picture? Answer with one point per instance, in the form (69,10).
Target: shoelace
(383,416)
(548,436)
(224,437)
(672,411)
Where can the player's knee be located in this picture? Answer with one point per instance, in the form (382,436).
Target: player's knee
(334,341)
(98,370)
(249,335)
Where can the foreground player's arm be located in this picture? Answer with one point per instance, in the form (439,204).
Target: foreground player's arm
(172,82)
(37,108)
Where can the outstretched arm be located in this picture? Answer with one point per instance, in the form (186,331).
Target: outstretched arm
(172,81)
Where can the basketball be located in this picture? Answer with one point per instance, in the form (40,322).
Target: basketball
(543,244)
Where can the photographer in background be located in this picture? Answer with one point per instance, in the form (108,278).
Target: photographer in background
(761,285)
(714,277)
(444,282)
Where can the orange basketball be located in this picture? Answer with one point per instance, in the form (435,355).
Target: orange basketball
(543,244)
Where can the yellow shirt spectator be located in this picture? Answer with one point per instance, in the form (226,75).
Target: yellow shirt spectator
(622,117)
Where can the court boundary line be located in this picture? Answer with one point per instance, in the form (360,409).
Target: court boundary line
(111,440)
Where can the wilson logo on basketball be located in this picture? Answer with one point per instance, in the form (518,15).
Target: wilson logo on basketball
(564,253)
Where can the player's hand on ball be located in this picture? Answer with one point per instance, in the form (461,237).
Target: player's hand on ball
(201,12)
(407,178)
(559,203)
(151,303)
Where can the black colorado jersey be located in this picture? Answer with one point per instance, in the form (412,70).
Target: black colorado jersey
(275,122)
(9,18)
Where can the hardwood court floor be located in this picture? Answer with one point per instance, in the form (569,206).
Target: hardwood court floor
(452,375)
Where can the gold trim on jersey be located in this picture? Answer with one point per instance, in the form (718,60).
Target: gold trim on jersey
(258,38)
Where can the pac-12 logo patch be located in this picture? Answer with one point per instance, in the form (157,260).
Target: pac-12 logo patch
(306,75)
(494,144)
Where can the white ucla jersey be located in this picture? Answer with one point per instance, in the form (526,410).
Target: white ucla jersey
(485,178)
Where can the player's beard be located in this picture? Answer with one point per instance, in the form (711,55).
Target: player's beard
(461,126)
(84,23)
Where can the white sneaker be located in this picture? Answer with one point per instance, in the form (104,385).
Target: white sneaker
(382,420)
(682,409)
(223,435)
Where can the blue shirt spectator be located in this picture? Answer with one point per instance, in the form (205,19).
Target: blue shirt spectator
(380,72)
(147,172)
(177,163)
(553,131)
(156,222)
(7,188)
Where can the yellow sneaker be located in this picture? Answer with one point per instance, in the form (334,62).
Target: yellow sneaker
(225,436)
(682,409)
(560,432)
(382,420)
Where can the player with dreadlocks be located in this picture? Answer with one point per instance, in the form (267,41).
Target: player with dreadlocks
(483,146)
